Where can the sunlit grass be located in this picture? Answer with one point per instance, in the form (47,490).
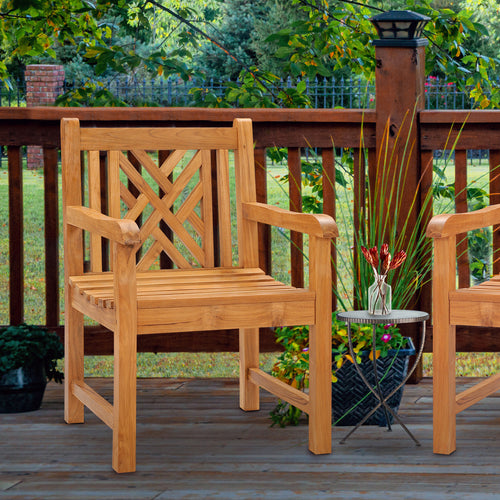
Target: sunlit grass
(469,364)
(177,365)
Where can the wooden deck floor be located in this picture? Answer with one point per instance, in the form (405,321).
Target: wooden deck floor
(194,443)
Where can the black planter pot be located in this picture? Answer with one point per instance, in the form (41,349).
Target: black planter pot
(351,398)
(22,389)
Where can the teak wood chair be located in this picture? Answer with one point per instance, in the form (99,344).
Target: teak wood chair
(478,305)
(137,298)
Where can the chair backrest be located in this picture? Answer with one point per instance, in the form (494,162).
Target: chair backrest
(173,182)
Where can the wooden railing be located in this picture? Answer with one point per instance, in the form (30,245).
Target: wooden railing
(293,129)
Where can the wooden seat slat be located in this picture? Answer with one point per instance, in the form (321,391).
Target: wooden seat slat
(158,296)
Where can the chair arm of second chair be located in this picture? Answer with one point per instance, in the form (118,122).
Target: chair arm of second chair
(123,231)
(320,225)
(445,225)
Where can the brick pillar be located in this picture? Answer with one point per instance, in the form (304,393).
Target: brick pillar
(44,83)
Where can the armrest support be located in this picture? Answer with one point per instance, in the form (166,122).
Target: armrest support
(320,225)
(123,231)
(445,225)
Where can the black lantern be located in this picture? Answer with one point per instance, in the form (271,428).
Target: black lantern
(400,28)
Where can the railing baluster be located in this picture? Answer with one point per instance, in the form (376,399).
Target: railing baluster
(495,199)
(461,206)
(359,211)
(329,206)
(16,247)
(295,192)
(427,163)
(51,236)
(265,259)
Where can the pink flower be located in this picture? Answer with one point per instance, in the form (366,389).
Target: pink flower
(386,337)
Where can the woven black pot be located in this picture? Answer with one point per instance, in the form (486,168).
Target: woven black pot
(22,389)
(352,400)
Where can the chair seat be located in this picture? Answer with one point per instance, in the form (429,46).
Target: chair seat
(488,290)
(181,296)
(479,304)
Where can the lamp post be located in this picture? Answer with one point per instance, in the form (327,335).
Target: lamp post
(400,78)
(400,28)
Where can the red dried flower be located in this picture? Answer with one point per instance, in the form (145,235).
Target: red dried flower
(399,258)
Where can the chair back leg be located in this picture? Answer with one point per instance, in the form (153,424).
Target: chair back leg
(249,358)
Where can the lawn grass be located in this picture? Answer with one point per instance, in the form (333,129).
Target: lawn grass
(181,364)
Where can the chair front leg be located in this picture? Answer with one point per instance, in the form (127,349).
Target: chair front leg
(73,361)
(444,348)
(125,361)
(320,348)
(320,389)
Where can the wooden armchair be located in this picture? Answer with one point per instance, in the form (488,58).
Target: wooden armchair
(137,298)
(478,305)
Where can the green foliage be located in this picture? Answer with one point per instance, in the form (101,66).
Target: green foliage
(235,35)
(89,94)
(316,39)
(279,16)
(33,27)
(292,365)
(22,345)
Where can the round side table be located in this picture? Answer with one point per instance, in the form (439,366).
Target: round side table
(396,316)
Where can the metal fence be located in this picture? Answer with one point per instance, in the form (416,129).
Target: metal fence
(350,93)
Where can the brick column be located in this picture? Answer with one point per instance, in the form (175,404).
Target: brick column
(44,83)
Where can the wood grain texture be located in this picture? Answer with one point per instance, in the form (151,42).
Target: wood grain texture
(16,237)
(249,360)
(224,212)
(313,224)
(461,207)
(122,231)
(154,138)
(329,206)
(443,347)
(96,403)
(295,205)
(194,442)
(495,200)
(280,389)
(51,223)
(132,300)
(261,176)
(479,391)
(452,224)
(125,360)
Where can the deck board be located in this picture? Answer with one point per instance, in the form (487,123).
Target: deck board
(194,443)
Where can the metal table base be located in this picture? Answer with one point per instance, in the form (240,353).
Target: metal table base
(396,317)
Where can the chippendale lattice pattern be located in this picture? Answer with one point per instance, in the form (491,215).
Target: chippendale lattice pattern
(184,205)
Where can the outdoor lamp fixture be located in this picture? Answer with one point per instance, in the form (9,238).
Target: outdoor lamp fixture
(400,28)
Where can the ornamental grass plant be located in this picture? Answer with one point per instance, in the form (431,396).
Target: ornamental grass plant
(389,220)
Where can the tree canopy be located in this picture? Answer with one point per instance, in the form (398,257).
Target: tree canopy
(318,38)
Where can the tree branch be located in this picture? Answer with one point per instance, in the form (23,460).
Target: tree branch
(261,80)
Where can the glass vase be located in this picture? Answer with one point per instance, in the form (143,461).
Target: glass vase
(379,297)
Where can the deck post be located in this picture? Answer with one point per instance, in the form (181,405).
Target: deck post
(400,79)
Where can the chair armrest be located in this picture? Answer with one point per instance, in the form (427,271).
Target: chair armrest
(320,225)
(445,225)
(123,231)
